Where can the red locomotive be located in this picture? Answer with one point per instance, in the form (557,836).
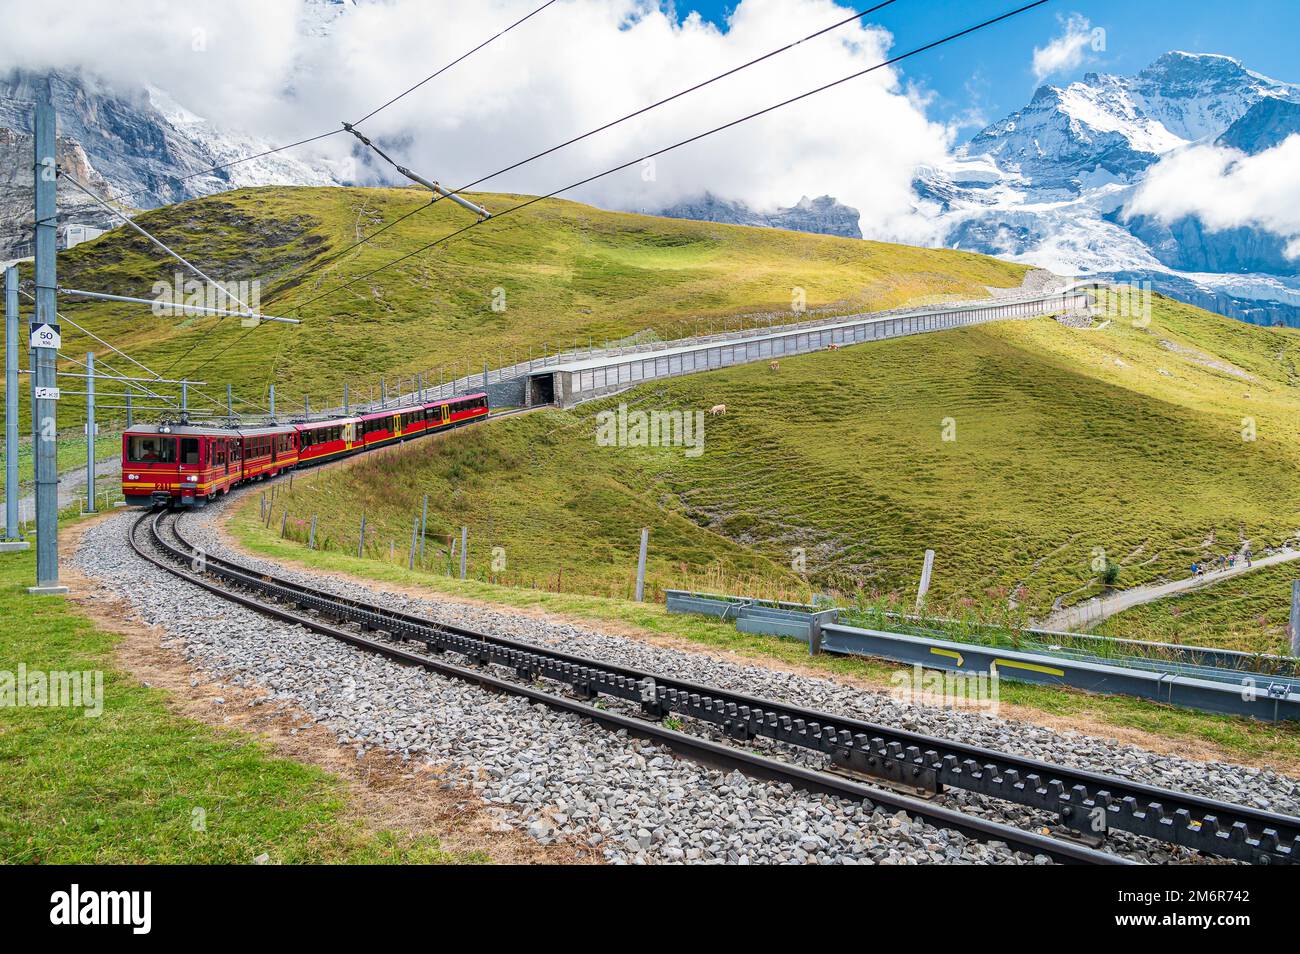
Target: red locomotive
(184,465)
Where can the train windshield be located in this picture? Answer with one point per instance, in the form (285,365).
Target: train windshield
(151,450)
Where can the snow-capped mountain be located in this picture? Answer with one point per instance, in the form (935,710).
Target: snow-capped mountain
(139,145)
(1050,183)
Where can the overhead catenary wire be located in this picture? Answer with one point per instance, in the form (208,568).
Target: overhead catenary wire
(459,59)
(677,145)
(678,95)
(599,129)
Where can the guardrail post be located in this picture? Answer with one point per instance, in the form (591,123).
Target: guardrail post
(464,543)
(640,565)
(815,623)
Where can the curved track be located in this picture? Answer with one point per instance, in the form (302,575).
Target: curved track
(1087,802)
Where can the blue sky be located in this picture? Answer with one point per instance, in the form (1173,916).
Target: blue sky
(992,71)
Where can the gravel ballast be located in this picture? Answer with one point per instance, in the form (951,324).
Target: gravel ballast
(555,776)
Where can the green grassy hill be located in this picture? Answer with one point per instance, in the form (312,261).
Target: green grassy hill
(1069,444)
(568,272)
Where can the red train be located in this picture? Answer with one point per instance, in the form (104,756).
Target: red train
(184,465)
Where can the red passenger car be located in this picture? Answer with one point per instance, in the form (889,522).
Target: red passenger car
(327,440)
(463,409)
(381,427)
(269,450)
(179,464)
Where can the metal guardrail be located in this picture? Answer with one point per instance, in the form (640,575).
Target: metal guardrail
(1236,693)
(1207,688)
(489,376)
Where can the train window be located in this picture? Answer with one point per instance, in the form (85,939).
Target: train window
(190,450)
(151,450)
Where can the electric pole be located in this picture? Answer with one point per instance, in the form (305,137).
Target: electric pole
(45,346)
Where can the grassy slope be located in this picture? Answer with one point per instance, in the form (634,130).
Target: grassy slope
(121,787)
(569,272)
(1067,441)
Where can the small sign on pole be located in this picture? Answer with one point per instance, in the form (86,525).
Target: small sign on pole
(46,394)
(46,335)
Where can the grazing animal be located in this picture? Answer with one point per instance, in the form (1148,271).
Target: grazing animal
(718,409)
(832,347)
(775,366)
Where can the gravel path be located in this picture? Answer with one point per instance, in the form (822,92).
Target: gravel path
(72,486)
(1097,609)
(557,777)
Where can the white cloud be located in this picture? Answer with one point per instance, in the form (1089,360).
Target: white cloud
(1066,51)
(1226,188)
(574,66)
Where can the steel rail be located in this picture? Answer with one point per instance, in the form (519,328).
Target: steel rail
(1089,803)
(695,748)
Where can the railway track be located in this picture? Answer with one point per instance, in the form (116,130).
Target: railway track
(1086,804)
